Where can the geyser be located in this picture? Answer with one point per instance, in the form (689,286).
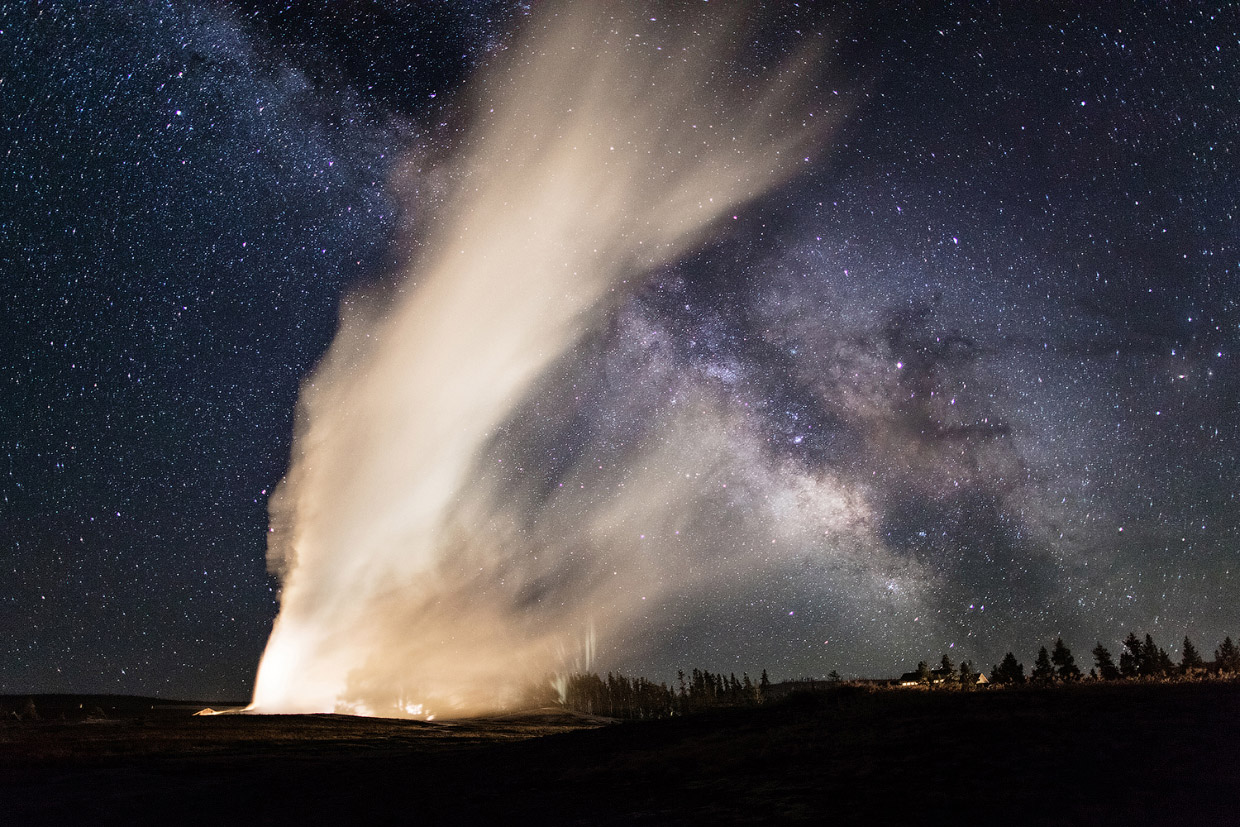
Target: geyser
(600,148)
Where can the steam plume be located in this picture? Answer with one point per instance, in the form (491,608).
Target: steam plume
(598,150)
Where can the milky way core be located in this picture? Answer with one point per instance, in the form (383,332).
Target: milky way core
(420,573)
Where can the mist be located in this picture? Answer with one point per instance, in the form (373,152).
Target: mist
(422,575)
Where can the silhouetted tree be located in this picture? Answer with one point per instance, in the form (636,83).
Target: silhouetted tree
(1152,659)
(834,677)
(968,677)
(1130,658)
(946,671)
(1065,664)
(1104,664)
(1190,658)
(924,675)
(764,686)
(619,696)
(1008,670)
(1164,665)
(1042,672)
(1227,656)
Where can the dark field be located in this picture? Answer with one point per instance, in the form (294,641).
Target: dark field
(1125,754)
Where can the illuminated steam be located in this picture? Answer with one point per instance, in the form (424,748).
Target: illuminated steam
(416,577)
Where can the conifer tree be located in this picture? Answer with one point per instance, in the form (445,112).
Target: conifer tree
(1130,658)
(1105,666)
(1227,656)
(1065,664)
(1165,665)
(1008,670)
(947,670)
(1043,671)
(1190,658)
(1150,663)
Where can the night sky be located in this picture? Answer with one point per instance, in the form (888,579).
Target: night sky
(1000,310)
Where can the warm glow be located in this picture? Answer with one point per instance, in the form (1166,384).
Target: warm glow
(410,584)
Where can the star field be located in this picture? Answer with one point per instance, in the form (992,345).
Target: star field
(968,383)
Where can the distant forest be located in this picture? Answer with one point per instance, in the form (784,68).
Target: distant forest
(618,696)
(1138,659)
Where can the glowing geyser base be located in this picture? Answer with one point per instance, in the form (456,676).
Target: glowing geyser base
(601,149)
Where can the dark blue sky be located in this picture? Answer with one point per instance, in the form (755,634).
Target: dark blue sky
(1040,205)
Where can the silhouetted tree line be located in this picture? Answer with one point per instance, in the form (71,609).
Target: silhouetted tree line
(1138,659)
(617,696)
(945,674)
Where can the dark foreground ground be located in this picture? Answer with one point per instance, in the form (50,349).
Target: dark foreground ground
(1110,754)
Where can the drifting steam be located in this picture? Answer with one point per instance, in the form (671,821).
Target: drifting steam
(421,575)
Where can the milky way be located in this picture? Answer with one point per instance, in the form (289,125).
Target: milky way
(412,581)
(969,380)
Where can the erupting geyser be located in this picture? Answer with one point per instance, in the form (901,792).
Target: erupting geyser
(601,148)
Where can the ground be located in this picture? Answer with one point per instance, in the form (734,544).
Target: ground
(1126,753)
